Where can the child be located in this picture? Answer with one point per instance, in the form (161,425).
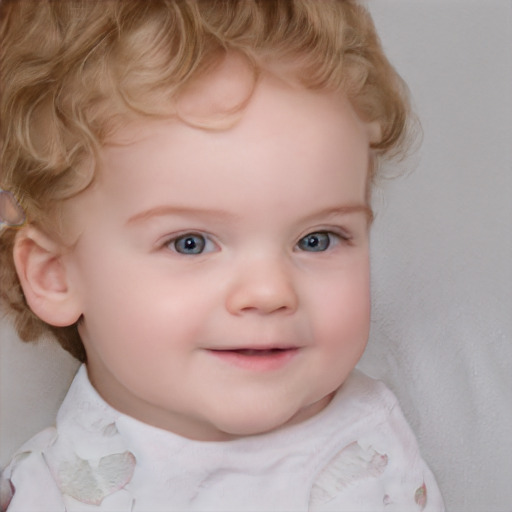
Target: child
(196,180)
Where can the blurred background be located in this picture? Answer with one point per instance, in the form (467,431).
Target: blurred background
(442,246)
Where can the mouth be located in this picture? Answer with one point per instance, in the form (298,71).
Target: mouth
(259,352)
(257,359)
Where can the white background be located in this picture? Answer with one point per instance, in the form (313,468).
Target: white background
(442,260)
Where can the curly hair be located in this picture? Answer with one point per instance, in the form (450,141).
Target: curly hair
(74,70)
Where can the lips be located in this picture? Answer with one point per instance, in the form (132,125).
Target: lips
(256,359)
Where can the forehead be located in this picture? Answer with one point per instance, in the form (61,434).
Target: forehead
(291,148)
(269,110)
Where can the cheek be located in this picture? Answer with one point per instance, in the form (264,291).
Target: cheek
(141,312)
(343,308)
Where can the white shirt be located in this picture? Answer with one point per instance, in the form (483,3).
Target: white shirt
(358,454)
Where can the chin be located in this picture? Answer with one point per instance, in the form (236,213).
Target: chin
(247,421)
(253,421)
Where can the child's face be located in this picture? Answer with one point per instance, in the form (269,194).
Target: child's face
(223,276)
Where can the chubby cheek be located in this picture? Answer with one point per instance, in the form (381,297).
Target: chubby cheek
(143,320)
(343,322)
(118,315)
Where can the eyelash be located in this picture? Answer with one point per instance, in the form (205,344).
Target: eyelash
(324,239)
(317,241)
(204,244)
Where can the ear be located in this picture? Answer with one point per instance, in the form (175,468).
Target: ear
(42,271)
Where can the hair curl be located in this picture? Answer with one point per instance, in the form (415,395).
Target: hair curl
(74,70)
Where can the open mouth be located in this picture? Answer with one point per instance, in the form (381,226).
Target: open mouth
(257,359)
(260,352)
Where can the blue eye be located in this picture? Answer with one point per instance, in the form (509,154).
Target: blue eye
(315,242)
(191,243)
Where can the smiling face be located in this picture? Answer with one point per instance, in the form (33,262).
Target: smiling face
(223,276)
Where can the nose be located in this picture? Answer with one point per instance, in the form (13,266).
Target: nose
(262,286)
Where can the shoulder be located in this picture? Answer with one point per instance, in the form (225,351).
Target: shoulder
(83,460)
(362,404)
(379,464)
(369,391)
(29,472)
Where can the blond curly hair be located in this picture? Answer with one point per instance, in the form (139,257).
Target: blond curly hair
(71,71)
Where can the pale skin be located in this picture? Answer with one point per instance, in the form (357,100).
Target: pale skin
(221,277)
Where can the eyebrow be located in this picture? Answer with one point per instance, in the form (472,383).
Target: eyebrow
(168,210)
(346,210)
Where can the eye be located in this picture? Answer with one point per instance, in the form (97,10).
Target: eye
(316,242)
(190,243)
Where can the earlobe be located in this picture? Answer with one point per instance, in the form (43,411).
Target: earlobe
(374,131)
(44,277)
